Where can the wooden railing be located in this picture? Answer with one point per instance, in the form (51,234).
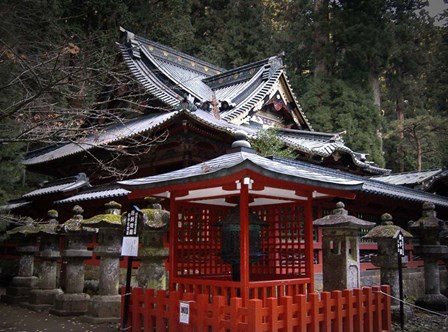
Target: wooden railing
(257,289)
(366,309)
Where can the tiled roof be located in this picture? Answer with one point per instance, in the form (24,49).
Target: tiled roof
(167,74)
(94,193)
(60,186)
(324,145)
(375,187)
(15,204)
(163,70)
(107,136)
(413,179)
(311,142)
(292,170)
(233,162)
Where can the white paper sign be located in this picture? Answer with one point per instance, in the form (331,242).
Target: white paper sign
(184,313)
(129,246)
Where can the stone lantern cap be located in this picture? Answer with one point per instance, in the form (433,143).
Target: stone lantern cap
(73,225)
(341,219)
(51,225)
(428,220)
(32,227)
(111,218)
(387,229)
(155,217)
(29,228)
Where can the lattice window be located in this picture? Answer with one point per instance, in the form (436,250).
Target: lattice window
(282,244)
(198,242)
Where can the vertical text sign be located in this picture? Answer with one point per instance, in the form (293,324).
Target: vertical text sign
(130,238)
(400,244)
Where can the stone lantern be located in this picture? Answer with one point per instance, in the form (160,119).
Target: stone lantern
(74,301)
(428,229)
(105,307)
(340,244)
(385,235)
(230,235)
(25,281)
(42,298)
(153,253)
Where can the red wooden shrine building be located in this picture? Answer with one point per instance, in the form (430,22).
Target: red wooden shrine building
(241,241)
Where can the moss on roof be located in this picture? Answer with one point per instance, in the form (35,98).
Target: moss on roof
(108,219)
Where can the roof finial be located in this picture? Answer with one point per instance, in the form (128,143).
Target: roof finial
(240,140)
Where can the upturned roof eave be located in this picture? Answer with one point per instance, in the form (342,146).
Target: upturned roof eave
(180,177)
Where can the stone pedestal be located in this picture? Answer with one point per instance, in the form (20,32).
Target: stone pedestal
(152,272)
(340,244)
(152,254)
(433,298)
(106,306)
(74,301)
(22,284)
(429,228)
(387,260)
(43,297)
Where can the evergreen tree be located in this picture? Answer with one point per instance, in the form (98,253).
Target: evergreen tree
(333,106)
(267,143)
(410,60)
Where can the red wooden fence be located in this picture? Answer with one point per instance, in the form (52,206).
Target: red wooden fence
(366,309)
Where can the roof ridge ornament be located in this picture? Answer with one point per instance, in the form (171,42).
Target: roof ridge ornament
(240,140)
(275,63)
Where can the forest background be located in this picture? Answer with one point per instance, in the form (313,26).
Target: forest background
(376,69)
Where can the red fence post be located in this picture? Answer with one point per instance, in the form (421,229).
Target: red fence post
(271,303)
(235,304)
(337,296)
(135,319)
(348,326)
(377,317)
(368,317)
(303,310)
(218,313)
(173,319)
(326,300)
(149,297)
(359,311)
(201,312)
(255,317)
(286,301)
(387,319)
(314,299)
(160,313)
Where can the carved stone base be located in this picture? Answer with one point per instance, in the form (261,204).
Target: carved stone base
(435,302)
(42,299)
(70,304)
(16,295)
(104,308)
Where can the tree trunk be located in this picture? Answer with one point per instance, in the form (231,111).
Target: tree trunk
(418,143)
(376,92)
(320,37)
(375,83)
(400,116)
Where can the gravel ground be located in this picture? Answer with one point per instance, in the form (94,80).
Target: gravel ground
(16,318)
(423,322)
